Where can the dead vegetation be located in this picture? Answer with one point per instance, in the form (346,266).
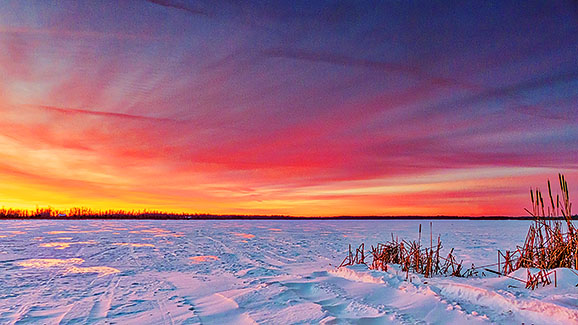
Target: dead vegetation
(551,242)
(411,256)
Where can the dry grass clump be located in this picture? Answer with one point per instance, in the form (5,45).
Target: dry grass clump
(551,241)
(411,256)
(358,258)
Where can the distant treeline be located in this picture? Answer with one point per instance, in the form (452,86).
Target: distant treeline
(87,213)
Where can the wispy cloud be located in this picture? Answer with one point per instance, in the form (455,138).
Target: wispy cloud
(187,7)
(386,67)
(78,34)
(106,114)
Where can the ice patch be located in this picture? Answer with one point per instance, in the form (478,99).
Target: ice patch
(63,245)
(43,263)
(101,270)
(134,244)
(243,235)
(59,232)
(203,258)
(67,266)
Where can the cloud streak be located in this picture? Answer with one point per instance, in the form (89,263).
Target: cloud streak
(106,114)
(348,61)
(177,5)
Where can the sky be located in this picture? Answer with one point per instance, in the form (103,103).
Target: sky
(308,108)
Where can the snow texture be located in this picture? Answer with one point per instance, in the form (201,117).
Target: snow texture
(246,272)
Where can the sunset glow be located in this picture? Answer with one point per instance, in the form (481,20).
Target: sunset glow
(301,108)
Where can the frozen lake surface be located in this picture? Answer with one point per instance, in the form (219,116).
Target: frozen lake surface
(197,272)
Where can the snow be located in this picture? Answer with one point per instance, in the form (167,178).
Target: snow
(247,272)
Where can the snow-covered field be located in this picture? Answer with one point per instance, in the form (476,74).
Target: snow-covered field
(281,272)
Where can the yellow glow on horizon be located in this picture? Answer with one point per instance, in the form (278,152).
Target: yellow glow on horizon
(428,194)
